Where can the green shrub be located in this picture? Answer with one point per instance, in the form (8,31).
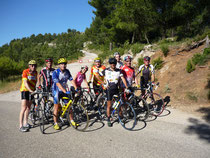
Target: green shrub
(140,61)
(201,59)
(137,48)
(165,49)
(206,52)
(190,67)
(158,63)
(197,59)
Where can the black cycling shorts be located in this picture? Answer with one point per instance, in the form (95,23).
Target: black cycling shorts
(26,95)
(97,89)
(110,93)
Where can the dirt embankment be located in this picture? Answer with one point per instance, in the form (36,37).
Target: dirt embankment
(187,91)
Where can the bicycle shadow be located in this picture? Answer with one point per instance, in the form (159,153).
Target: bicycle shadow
(166,111)
(199,128)
(50,128)
(138,126)
(95,123)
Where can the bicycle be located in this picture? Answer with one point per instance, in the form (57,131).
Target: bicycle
(91,97)
(139,103)
(125,112)
(43,111)
(154,100)
(80,115)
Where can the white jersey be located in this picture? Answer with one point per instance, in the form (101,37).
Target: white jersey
(112,77)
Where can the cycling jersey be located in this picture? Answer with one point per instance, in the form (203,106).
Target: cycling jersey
(60,77)
(112,77)
(97,71)
(79,79)
(31,78)
(47,77)
(129,75)
(146,72)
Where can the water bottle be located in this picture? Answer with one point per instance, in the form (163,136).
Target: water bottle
(115,105)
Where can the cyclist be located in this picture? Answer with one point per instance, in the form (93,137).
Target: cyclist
(147,73)
(59,89)
(81,76)
(119,62)
(96,73)
(29,79)
(128,71)
(46,74)
(112,76)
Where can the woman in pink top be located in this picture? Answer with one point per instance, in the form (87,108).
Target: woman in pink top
(80,77)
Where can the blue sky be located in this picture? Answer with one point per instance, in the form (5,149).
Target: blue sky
(22,18)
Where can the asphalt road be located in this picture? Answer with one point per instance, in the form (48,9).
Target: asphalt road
(173,135)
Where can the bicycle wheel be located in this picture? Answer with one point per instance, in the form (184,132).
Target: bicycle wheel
(156,104)
(80,117)
(127,116)
(41,117)
(141,108)
(33,113)
(102,106)
(48,110)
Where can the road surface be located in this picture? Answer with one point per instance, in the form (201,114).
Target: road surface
(173,135)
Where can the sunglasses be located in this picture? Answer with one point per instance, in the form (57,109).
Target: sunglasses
(33,65)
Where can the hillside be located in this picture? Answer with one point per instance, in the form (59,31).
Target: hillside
(187,91)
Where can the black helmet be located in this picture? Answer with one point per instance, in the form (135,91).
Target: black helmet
(147,58)
(112,61)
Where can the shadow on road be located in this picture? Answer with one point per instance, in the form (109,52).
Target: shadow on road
(167,100)
(199,128)
(206,113)
(95,125)
(140,125)
(49,129)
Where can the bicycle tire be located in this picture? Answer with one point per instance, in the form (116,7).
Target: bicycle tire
(80,117)
(141,108)
(102,106)
(48,110)
(41,118)
(128,120)
(156,104)
(33,113)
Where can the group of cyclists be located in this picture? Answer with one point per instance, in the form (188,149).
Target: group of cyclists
(117,77)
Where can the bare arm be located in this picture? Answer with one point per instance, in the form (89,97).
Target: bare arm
(90,78)
(61,87)
(124,81)
(27,86)
(74,84)
(153,77)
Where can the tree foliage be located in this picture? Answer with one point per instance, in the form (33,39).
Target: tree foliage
(15,55)
(144,21)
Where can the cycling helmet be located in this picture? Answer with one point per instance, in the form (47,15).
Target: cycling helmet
(147,58)
(127,57)
(112,61)
(116,53)
(62,61)
(97,59)
(84,67)
(48,60)
(32,62)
